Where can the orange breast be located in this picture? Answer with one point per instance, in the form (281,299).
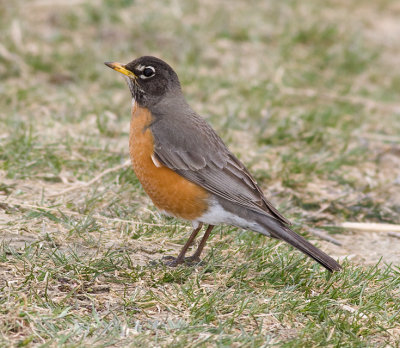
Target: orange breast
(168,190)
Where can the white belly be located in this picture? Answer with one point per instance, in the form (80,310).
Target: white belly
(216,215)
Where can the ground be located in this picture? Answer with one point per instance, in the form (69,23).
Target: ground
(305,93)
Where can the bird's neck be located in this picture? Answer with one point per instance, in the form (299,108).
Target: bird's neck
(173,104)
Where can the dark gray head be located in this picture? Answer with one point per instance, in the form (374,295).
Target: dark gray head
(149,78)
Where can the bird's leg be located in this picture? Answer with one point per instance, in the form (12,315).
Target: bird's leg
(195,258)
(174,261)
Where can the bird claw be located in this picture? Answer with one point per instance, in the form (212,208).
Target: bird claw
(171,261)
(193,261)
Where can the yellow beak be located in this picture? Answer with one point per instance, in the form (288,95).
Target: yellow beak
(120,68)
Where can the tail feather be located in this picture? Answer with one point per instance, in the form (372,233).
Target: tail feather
(278,230)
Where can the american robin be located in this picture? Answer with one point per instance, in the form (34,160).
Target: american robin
(186,169)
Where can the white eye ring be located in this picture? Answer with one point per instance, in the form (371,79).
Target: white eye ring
(147,72)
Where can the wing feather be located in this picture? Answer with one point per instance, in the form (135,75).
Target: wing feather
(204,159)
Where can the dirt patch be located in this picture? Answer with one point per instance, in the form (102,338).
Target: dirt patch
(365,248)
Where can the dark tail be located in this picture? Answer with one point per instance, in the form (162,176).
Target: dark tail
(280,231)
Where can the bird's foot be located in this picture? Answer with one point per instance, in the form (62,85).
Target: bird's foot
(171,261)
(193,261)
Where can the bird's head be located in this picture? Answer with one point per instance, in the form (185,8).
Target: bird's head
(149,79)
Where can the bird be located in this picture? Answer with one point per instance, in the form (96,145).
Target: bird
(188,171)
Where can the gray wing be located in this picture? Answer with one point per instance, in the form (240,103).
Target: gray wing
(198,154)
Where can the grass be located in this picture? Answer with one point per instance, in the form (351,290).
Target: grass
(306,94)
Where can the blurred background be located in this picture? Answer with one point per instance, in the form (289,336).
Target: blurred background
(306,93)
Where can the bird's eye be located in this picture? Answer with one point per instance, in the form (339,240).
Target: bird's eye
(148,71)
